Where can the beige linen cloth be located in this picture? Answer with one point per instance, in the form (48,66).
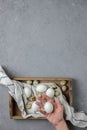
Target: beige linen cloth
(78,119)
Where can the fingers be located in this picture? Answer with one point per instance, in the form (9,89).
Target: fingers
(44,113)
(49,99)
(40,105)
(58,101)
(41,100)
(46,97)
(59,105)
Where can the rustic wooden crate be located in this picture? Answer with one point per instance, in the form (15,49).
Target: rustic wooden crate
(13,108)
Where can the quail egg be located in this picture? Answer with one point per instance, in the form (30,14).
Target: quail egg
(54,86)
(35,82)
(29,81)
(62,82)
(32,98)
(39,94)
(28,106)
(64,88)
(56,93)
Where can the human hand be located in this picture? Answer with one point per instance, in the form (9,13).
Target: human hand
(57,115)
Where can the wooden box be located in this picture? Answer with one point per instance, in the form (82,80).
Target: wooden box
(13,108)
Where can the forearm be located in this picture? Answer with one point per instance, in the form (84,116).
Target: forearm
(61,125)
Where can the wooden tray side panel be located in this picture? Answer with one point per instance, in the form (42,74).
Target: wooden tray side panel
(11,106)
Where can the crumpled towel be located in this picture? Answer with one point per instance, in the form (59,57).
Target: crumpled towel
(78,119)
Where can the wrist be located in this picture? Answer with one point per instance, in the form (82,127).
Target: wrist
(61,125)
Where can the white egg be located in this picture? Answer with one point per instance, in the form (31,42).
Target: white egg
(41,88)
(50,92)
(27,91)
(35,107)
(48,107)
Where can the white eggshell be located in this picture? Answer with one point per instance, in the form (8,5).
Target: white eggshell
(48,107)
(50,92)
(41,88)
(35,107)
(27,91)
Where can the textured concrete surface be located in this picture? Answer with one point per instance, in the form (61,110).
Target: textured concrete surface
(43,38)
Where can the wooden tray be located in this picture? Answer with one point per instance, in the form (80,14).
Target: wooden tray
(13,108)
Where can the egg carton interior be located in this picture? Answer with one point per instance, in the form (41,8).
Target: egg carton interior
(65,85)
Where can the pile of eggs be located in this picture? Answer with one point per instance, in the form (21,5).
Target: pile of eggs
(42,88)
(48,107)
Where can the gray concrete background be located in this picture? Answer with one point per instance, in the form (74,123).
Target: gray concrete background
(43,38)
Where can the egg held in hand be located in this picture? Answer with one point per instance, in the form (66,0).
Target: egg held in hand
(27,91)
(35,107)
(50,92)
(48,107)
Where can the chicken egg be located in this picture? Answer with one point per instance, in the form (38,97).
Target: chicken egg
(50,92)
(41,88)
(27,91)
(35,107)
(48,107)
